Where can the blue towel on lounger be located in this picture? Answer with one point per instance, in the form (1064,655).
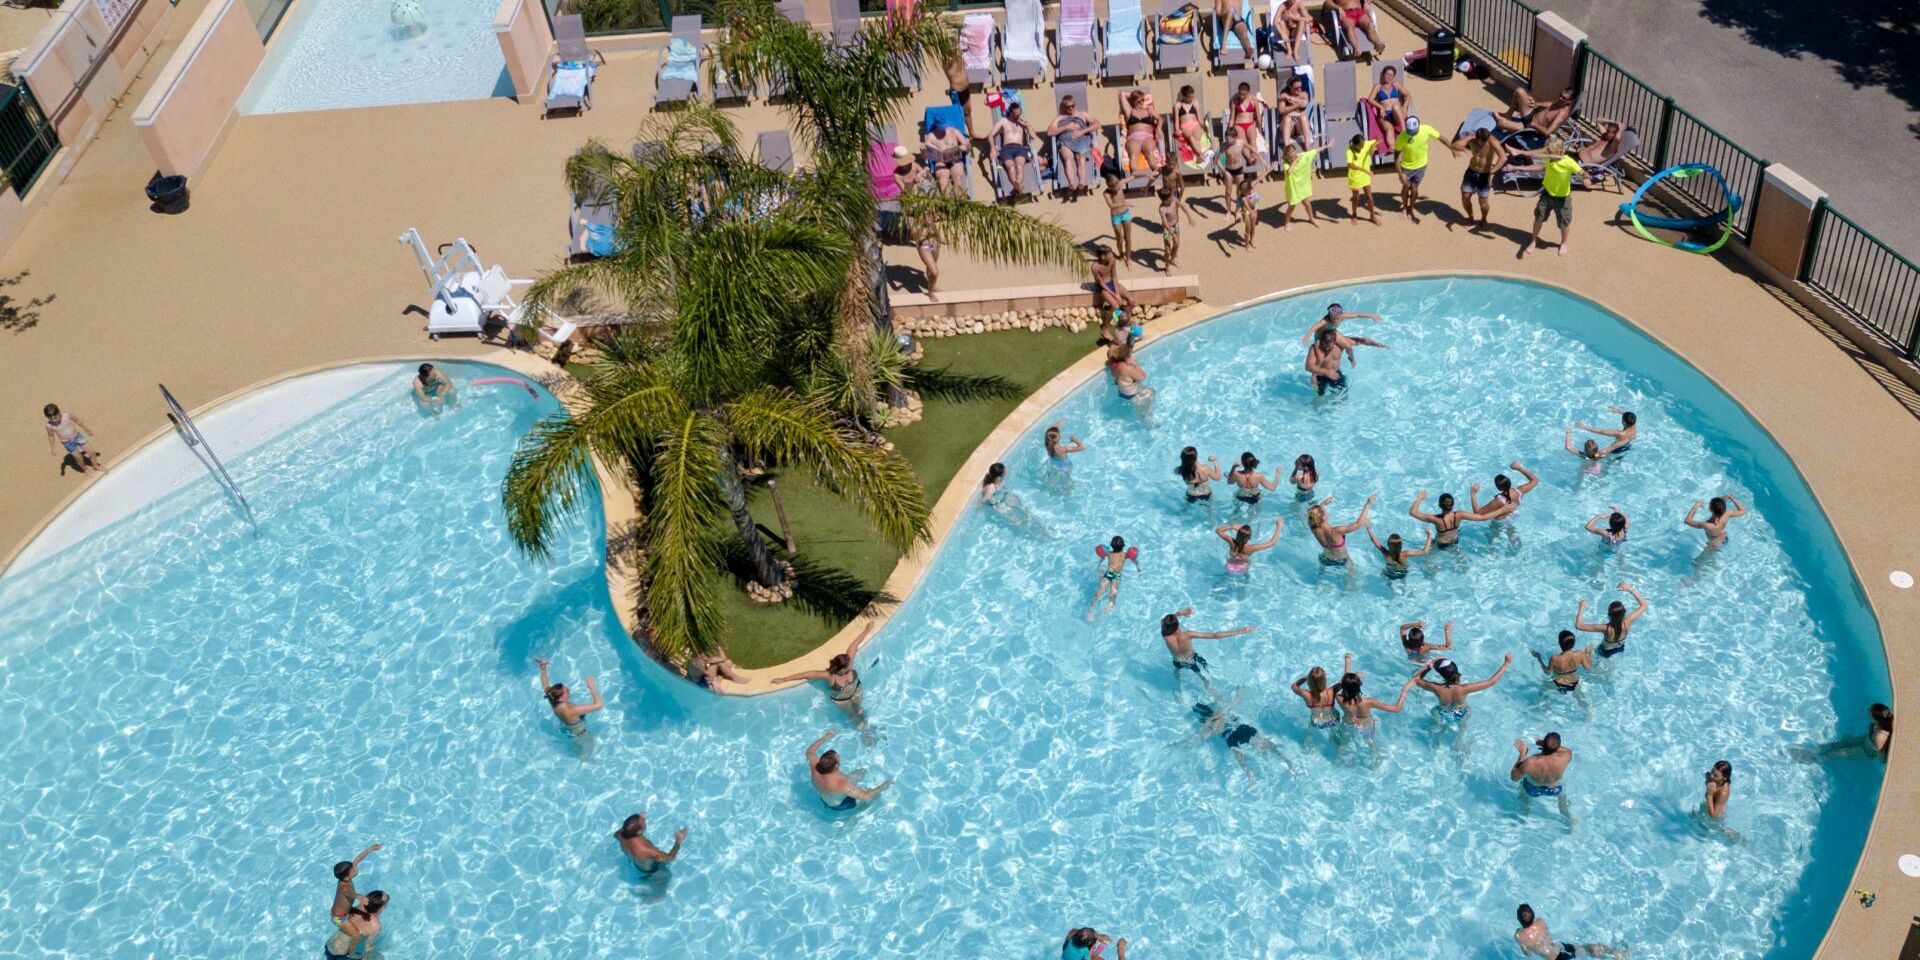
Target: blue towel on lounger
(570,80)
(683,62)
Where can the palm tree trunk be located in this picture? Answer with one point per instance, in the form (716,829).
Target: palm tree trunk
(766,572)
(880,301)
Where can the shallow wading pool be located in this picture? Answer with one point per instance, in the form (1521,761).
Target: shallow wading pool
(209,719)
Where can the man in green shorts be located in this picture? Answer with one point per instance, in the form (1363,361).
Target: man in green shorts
(1556,191)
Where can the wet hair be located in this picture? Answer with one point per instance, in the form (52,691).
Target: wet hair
(1590,450)
(1117,544)
(1566,640)
(342,869)
(1316,516)
(1169,624)
(50,410)
(1448,671)
(1393,546)
(1189,468)
(1414,638)
(632,827)
(1627,419)
(1082,937)
(373,904)
(556,693)
(1724,769)
(1304,464)
(1616,522)
(1549,743)
(1524,915)
(995,474)
(1241,536)
(840,663)
(828,762)
(1717,506)
(1616,615)
(426,368)
(1882,717)
(1053,440)
(1249,462)
(1325,336)
(1317,681)
(1501,483)
(1446,503)
(1349,688)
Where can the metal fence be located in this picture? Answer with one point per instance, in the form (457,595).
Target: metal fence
(1863,276)
(27,140)
(1501,31)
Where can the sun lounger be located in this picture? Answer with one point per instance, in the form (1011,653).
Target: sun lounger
(1328,24)
(1133,176)
(775,148)
(1176,39)
(678,78)
(571,68)
(976,47)
(1611,168)
(1255,80)
(845,17)
(1023,56)
(1002,183)
(590,223)
(1058,151)
(1077,58)
(882,170)
(1193,151)
(1339,112)
(1227,51)
(724,87)
(1275,45)
(954,117)
(795,11)
(1124,40)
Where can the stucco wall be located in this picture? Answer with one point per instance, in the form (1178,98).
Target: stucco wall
(193,101)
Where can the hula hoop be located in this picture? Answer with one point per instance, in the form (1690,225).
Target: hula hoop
(1682,171)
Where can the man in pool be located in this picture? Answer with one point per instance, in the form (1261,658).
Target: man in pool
(1622,438)
(432,387)
(1323,362)
(646,857)
(1537,941)
(1539,774)
(1335,316)
(1221,722)
(1180,640)
(836,789)
(344,896)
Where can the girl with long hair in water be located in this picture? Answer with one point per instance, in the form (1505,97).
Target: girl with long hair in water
(1614,533)
(1198,478)
(1313,690)
(1357,710)
(1002,502)
(1718,516)
(1129,377)
(1304,476)
(1333,539)
(1059,468)
(842,680)
(1240,548)
(1248,482)
(1395,553)
(1613,632)
(1413,641)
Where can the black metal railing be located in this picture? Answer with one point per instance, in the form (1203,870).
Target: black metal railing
(1863,276)
(1689,140)
(27,139)
(1607,91)
(1501,31)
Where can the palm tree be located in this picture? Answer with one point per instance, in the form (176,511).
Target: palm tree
(712,369)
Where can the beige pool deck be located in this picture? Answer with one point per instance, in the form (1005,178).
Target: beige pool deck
(288,260)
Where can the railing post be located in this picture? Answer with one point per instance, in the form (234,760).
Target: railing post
(1459,24)
(1813,239)
(1665,135)
(666,15)
(1580,66)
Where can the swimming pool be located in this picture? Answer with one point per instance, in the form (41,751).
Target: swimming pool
(251,711)
(350,53)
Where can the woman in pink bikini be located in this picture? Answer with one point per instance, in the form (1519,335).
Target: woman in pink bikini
(1358,20)
(1333,539)
(1240,548)
(1247,111)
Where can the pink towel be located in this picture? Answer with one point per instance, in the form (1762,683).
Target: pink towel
(880,168)
(1076,23)
(976,40)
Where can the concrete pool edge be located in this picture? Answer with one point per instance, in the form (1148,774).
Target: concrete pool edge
(1875,867)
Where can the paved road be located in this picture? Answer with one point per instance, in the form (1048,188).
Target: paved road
(1831,89)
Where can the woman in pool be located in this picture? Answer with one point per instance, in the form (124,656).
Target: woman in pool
(1613,633)
(1623,438)
(1446,523)
(1413,640)
(1450,692)
(1128,376)
(842,680)
(1312,689)
(1615,531)
(1718,515)
(1113,562)
(1506,497)
(1059,468)
(1719,790)
(1086,943)
(1395,553)
(1005,504)
(572,715)
(1247,480)
(1240,550)
(1563,668)
(1391,99)
(647,858)
(1198,478)
(360,928)
(1874,743)
(1333,539)
(1304,476)
(1357,709)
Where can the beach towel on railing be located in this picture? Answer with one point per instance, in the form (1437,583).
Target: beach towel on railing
(1180,26)
(570,79)
(1123,27)
(976,41)
(1076,23)
(683,61)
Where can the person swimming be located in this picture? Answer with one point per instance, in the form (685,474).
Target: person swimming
(1718,516)
(1613,633)
(1446,523)
(837,791)
(1198,478)
(1179,641)
(1615,532)
(1304,476)
(1113,560)
(1395,553)
(1413,641)
(1240,550)
(644,855)
(1237,734)
(1333,539)
(1313,690)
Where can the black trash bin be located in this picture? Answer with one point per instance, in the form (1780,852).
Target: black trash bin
(168,194)
(1441,52)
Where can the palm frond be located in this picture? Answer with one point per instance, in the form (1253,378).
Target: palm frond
(682,550)
(776,426)
(941,383)
(995,233)
(552,466)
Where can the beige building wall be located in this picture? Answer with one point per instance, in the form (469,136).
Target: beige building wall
(76,67)
(525,39)
(193,101)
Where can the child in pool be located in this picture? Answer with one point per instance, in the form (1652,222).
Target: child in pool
(1113,560)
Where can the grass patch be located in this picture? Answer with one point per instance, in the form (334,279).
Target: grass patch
(848,562)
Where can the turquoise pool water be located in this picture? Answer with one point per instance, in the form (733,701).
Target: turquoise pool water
(212,720)
(350,53)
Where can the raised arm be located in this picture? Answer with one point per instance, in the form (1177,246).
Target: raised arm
(863,794)
(1409,625)
(1420,678)
(1580,619)
(363,854)
(802,675)
(853,649)
(1377,545)
(1395,706)
(1359,521)
(544,682)
(1268,482)
(1270,541)
(1446,632)
(1690,521)
(1479,685)
(597,703)
(1533,479)
(813,749)
(1221,532)
(1425,548)
(1603,431)
(1593,527)
(1642,601)
(1570,448)
(1415,511)
(1739,509)
(679,837)
(1520,765)
(1221,634)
